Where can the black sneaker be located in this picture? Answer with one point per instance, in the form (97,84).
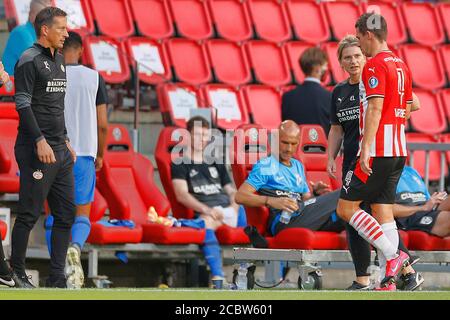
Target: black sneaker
(256,239)
(22,281)
(356,286)
(59,282)
(411,281)
(7,280)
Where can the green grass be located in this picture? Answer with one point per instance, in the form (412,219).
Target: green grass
(202,294)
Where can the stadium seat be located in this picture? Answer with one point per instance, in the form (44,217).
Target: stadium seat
(8,89)
(334,66)
(391,11)
(152,18)
(419,240)
(419,156)
(9,171)
(126,182)
(8,111)
(424,23)
(3,229)
(106,56)
(294,50)
(264,104)
(176,102)
(231,19)
(445,99)
(154,66)
(305,239)
(165,154)
(445,55)
(79,17)
(189,60)
(308,20)
(270,20)
(229,62)
(269,63)
(429,75)
(228,104)
(342,16)
(444,10)
(113,17)
(430,118)
(191,18)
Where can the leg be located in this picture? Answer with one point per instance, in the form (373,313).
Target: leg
(441,227)
(211,248)
(360,251)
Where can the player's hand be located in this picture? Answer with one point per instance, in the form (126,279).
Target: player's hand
(364,161)
(98,163)
(72,152)
(4,76)
(435,200)
(287,204)
(331,168)
(320,187)
(45,152)
(216,214)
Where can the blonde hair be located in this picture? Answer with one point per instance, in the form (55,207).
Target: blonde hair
(347,42)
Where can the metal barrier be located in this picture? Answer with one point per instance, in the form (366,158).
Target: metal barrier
(428,147)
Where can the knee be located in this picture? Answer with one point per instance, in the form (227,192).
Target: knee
(63,222)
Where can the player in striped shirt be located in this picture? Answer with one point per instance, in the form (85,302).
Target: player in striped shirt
(385,102)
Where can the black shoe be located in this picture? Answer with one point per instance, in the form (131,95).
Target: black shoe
(356,286)
(59,282)
(7,280)
(22,281)
(411,281)
(256,239)
(413,260)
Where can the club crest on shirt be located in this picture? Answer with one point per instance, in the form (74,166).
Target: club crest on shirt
(373,82)
(426,220)
(213,171)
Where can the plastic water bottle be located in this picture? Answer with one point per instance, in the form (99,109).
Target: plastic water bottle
(241,279)
(285,215)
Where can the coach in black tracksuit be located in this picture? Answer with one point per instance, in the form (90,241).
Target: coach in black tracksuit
(42,150)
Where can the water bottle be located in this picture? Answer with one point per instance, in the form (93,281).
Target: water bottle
(241,279)
(285,215)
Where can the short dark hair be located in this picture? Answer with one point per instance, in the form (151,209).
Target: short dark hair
(45,18)
(373,22)
(74,41)
(197,119)
(312,57)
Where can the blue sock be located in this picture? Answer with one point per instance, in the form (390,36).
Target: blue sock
(211,251)
(192,223)
(80,230)
(48,232)
(242,217)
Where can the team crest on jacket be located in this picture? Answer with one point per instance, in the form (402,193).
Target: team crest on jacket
(213,171)
(426,220)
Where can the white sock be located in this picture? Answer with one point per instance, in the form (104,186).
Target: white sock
(371,231)
(390,230)
(382,263)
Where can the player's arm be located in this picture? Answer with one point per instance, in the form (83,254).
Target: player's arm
(402,211)
(4,76)
(411,107)
(102,122)
(334,145)
(371,123)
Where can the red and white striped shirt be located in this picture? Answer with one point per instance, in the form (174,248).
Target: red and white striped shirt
(386,76)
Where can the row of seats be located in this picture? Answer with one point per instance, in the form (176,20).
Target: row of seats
(233,63)
(238,20)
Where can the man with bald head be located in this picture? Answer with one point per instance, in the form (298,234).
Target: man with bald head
(279,183)
(22,37)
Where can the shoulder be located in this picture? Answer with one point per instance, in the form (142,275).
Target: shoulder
(340,86)
(297,164)
(28,56)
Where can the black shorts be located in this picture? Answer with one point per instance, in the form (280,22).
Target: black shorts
(421,220)
(379,187)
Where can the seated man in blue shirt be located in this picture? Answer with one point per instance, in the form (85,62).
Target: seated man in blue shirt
(22,37)
(281,185)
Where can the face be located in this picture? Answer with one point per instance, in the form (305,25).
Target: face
(57,33)
(365,40)
(352,61)
(288,145)
(200,138)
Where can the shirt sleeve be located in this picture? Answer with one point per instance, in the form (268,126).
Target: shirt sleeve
(374,79)
(224,176)
(256,179)
(102,96)
(178,171)
(408,86)
(333,116)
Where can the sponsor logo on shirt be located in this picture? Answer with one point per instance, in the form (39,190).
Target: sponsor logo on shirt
(208,189)
(373,82)
(372,69)
(400,113)
(193,173)
(352,98)
(414,197)
(56,86)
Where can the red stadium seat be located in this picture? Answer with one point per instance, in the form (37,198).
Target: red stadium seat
(430,118)
(429,75)
(419,240)
(424,23)
(154,66)
(126,182)
(308,20)
(183,53)
(270,20)
(445,55)
(191,18)
(391,11)
(445,99)
(294,50)
(444,10)
(176,102)
(8,111)
(342,16)
(337,71)
(419,156)
(79,16)
(3,229)
(152,18)
(269,63)
(9,171)
(229,62)
(228,103)
(8,89)
(264,104)
(232,19)
(305,239)
(165,154)
(113,17)
(106,56)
